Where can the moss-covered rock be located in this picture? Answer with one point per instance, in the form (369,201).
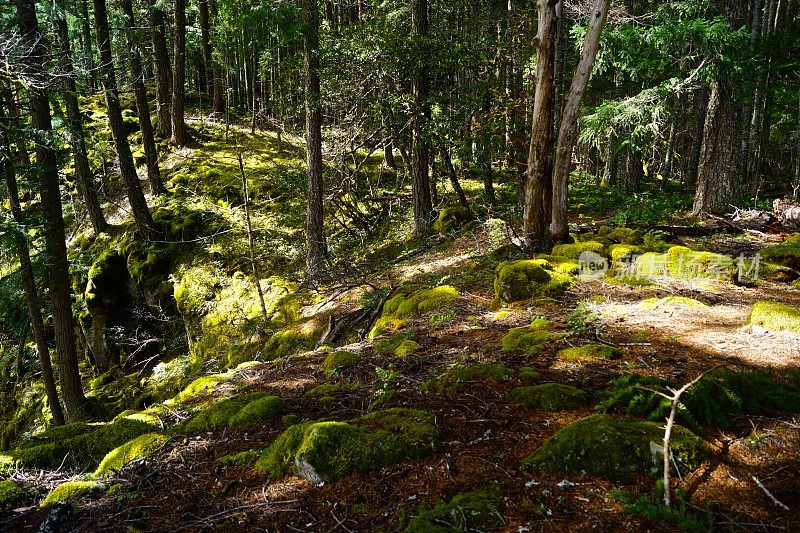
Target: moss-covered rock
(549,397)
(623,255)
(239,411)
(331,365)
(615,449)
(623,235)
(457,377)
(588,352)
(683,263)
(452,218)
(328,450)
(245,458)
(10,493)
(574,251)
(520,280)
(469,511)
(410,303)
(562,265)
(70,489)
(198,388)
(529,340)
(142,446)
(328,390)
(527,374)
(786,253)
(407,347)
(774,317)
(392,344)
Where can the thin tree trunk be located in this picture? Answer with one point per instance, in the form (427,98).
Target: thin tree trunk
(451,174)
(26,269)
(86,44)
(217,72)
(141,213)
(420,154)
(204,70)
(83,172)
(179,134)
(162,71)
(538,188)
(142,104)
(569,119)
(55,245)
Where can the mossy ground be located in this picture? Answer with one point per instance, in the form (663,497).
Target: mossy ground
(469,511)
(588,352)
(331,365)
(238,411)
(141,446)
(455,379)
(10,493)
(521,280)
(69,490)
(412,303)
(529,340)
(549,397)
(774,317)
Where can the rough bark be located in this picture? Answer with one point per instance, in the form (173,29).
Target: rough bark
(218,88)
(141,213)
(83,172)
(451,174)
(55,245)
(205,74)
(161,70)
(179,134)
(86,45)
(538,188)
(569,119)
(420,153)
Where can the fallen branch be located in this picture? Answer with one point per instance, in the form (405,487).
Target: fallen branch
(775,500)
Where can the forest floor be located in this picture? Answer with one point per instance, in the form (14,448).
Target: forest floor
(484,435)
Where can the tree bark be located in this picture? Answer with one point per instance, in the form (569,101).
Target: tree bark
(55,245)
(420,154)
(142,104)
(26,268)
(451,174)
(316,248)
(569,119)
(538,188)
(204,70)
(86,44)
(83,173)
(162,71)
(218,89)
(179,134)
(141,213)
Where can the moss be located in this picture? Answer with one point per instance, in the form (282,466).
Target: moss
(521,280)
(613,448)
(562,265)
(329,450)
(774,317)
(529,340)
(653,242)
(469,511)
(527,374)
(392,344)
(246,458)
(549,397)
(407,347)
(198,387)
(287,342)
(786,253)
(456,378)
(623,235)
(142,446)
(682,263)
(682,301)
(70,489)
(337,360)
(623,255)
(419,302)
(10,493)
(106,282)
(239,411)
(588,352)
(574,251)
(100,381)
(452,218)
(115,488)
(152,415)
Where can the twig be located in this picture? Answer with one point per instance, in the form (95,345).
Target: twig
(775,500)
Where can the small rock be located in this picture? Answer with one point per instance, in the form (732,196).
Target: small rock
(565,484)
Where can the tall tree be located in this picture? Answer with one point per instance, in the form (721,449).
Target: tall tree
(142,104)
(127,168)
(420,154)
(179,134)
(83,172)
(55,244)
(316,248)
(205,73)
(161,70)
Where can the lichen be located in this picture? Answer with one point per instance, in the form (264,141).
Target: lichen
(469,511)
(588,352)
(549,397)
(457,377)
(452,218)
(70,489)
(142,446)
(337,360)
(329,450)
(774,317)
(615,449)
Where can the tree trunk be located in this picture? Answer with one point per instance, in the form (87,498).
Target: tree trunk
(26,268)
(142,104)
(204,70)
(83,172)
(179,134)
(420,155)
(451,174)
(218,89)
(55,245)
(162,71)
(86,44)
(538,188)
(569,119)
(315,230)
(141,213)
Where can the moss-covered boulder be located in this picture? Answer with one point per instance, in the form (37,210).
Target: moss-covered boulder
(469,511)
(337,360)
(786,253)
(588,352)
(239,411)
(409,302)
(457,377)
(452,218)
(521,280)
(549,397)
(70,489)
(142,446)
(562,265)
(615,449)
(329,450)
(683,263)
(574,251)
(529,340)
(623,255)
(399,345)
(774,317)
(10,493)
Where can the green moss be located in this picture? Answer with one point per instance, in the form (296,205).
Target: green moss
(10,493)
(452,218)
(287,342)
(328,451)
(529,340)
(100,381)
(615,449)
(653,303)
(107,279)
(68,490)
(198,387)
(562,265)
(456,378)
(246,458)
(329,389)
(469,511)
(786,253)
(420,302)
(682,263)
(527,374)
(574,251)
(338,360)
(588,352)
(239,411)
(774,317)
(152,415)
(623,254)
(407,347)
(623,235)
(549,397)
(520,280)
(142,446)
(392,344)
